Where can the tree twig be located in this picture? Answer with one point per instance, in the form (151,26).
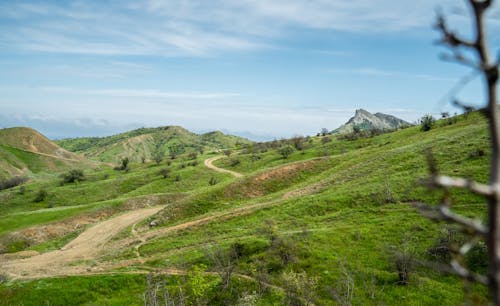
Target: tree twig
(458,182)
(443,212)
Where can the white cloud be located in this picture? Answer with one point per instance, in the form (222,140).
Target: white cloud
(197,27)
(376,72)
(140,93)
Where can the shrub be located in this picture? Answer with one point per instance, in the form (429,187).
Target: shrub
(298,142)
(125,162)
(72,176)
(404,261)
(285,151)
(158,156)
(325,140)
(255,157)
(477,258)
(235,162)
(192,155)
(13,182)
(448,239)
(426,123)
(3,278)
(213,181)
(165,172)
(40,196)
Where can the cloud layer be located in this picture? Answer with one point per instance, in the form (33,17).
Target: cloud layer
(196,27)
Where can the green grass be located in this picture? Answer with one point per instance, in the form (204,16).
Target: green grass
(354,221)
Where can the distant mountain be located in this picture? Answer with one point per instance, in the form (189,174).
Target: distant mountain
(366,121)
(24,151)
(144,142)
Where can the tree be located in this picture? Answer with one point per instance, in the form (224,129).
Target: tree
(298,142)
(299,288)
(175,150)
(74,175)
(285,151)
(426,123)
(124,162)
(324,132)
(489,232)
(158,155)
(224,263)
(198,284)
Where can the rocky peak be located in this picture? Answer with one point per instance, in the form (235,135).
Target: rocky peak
(365,120)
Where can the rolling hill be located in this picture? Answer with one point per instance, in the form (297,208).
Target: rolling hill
(144,142)
(329,218)
(24,151)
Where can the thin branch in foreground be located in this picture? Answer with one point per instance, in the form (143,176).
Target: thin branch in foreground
(458,182)
(459,270)
(449,37)
(466,274)
(443,212)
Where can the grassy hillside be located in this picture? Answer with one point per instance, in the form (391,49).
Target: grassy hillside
(325,224)
(145,142)
(26,152)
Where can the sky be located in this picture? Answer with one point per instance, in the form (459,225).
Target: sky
(258,68)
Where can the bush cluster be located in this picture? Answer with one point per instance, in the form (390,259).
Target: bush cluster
(13,182)
(75,175)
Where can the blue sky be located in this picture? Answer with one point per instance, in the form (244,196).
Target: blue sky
(253,67)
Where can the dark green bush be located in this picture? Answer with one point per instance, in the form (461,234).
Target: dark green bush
(40,196)
(13,182)
(75,175)
(426,123)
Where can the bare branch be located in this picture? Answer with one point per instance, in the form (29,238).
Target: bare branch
(458,182)
(443,212)
(449,37)
(461,59)
(466,274)
(481,5)
(466,247)
(465,107)
(460,271)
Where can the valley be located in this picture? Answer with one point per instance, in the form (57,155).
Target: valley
(242,218)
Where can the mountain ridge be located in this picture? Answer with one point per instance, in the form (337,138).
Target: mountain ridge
(142,143)
(366,121)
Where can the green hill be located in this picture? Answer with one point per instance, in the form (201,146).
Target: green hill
(326,224)
(144,142)
(24,151)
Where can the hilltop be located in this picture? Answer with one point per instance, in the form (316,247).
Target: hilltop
(142,143)
(366,121)
(24,151)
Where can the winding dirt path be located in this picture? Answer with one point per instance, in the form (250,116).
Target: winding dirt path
(92,243)
(87,246)
(209,164)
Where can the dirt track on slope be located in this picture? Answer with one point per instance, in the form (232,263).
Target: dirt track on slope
(95,241)
(87,246)
(209,164)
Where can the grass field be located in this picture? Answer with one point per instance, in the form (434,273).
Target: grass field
(323,224)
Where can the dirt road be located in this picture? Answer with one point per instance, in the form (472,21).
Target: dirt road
(87,246)
(209,164)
